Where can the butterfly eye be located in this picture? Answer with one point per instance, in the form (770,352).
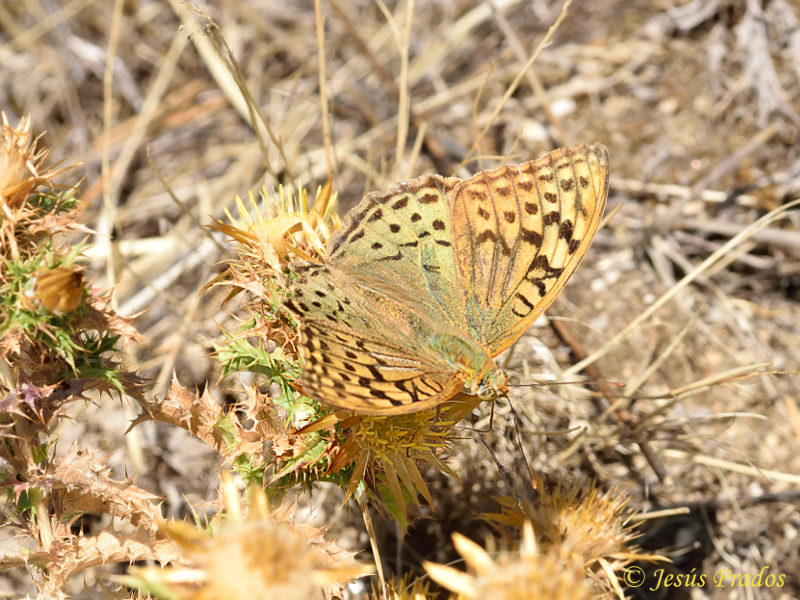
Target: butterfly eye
(495,384)
(487,393)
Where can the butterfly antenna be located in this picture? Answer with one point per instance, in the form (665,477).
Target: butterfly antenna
(618,384)
(503,472)
(519,442)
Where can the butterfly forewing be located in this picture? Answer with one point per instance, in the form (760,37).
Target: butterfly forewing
(521,233)
(315,293)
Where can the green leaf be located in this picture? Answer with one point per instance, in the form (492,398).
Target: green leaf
(393,506)
(250,474)
(224,425)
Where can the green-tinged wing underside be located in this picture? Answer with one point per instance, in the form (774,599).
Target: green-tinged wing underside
(492,251)
(405,236)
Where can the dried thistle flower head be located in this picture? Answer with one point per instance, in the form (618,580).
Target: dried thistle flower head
(591,526)
(61,289)
(520,575)
(19,162)
(286,226)
(391,447)
(22,171)
(596,523)
(248,560)
(256,557)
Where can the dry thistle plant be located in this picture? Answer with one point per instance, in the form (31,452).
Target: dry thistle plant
(56,335)
(380,453)
(59,344)
(695,162)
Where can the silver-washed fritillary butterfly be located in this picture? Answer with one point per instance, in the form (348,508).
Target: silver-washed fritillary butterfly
(423,285)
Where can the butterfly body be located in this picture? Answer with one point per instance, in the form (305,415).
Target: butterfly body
(481,377)
(423,285)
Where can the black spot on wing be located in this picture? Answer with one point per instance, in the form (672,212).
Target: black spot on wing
(531,237)
(486,236)
(429,198)
(551,218)
(566,229)
(525,186)
(540,262)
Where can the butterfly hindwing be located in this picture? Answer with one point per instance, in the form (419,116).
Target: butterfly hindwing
(349,370)
(520,234)
(346,333)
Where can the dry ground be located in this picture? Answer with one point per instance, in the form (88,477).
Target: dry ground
(698,105)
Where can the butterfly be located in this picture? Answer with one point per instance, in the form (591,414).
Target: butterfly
(422,286)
